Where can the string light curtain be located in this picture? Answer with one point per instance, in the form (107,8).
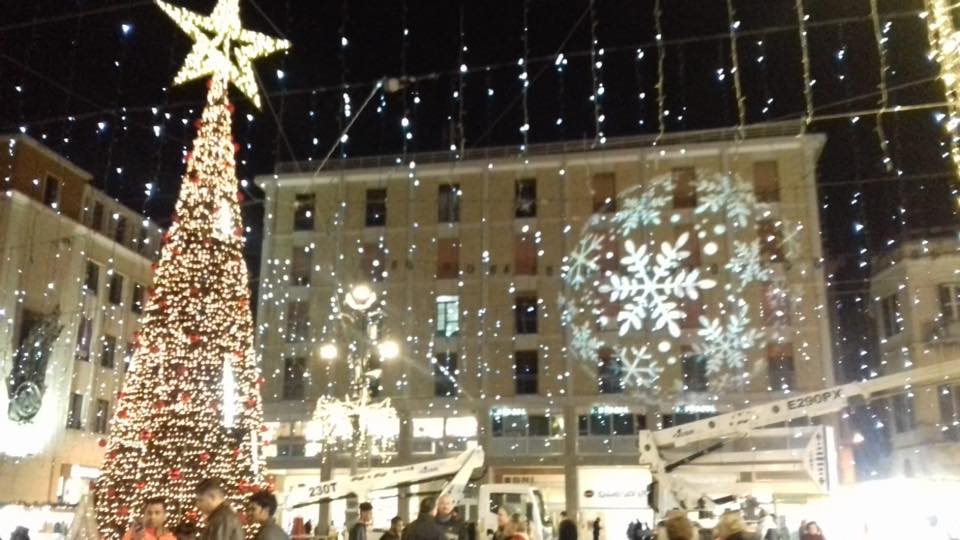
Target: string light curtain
(945,50)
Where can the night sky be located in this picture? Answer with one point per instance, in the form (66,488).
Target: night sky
(61,59)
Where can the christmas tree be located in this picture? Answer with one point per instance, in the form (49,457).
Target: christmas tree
(190,408)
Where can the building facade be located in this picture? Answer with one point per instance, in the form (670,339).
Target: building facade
(472,260)
(75,266)
(915,294)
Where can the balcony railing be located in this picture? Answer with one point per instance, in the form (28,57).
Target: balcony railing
(527,446)
(607,444)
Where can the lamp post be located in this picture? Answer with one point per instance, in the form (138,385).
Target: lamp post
(361,319)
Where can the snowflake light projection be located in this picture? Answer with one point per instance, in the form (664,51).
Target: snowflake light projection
(630,282)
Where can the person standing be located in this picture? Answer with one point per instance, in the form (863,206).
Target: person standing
(567,529)
(395,530)
(152,524)
(678,527)
(811,531)
(518,528)
(448,520)
(731,527)
(222,521)
(361,529)
(596,528)
(260,508)
(425,526)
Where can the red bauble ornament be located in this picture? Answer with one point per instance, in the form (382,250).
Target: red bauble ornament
(123,511)
(185,398)
(198,123)
(154,350)
(204,457)
(251,403)
(236,453)
(238,232)
(240,197)
(175,474)
(122,414)
(181,370)
(145,436)
(264,429)
(192,516)
(231,108)
(236,148)
(153,268)
(194,339)
(260,381)
(102,443)
(159,405)
(140,486)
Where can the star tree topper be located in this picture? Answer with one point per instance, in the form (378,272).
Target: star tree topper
(222,47)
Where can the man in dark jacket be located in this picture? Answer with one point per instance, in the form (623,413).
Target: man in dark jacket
(261,508)
(222,522)
(448,520)
(425,526)
(361,528)
(567,530)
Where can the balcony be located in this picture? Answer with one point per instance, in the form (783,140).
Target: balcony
(527,446)
(605,445)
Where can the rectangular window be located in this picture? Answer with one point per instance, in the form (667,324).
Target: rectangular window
(448,316)
(448,203)
(538,425)
(298,321)
(75,412)
(448,258)
(525,308)
(902,410)
(525,372)
(128,356)
(91,280)
(108,352)
(685,187)
(766,181)
(304,208)
(116,289)
(84,337)
(101,416)
(776,305)
(694,368)
(292,447)
(524,255)
(51,192)
(609,372)
(96,221)
(294,370)
(301,261)
(604,193)
(780,368)
(138,299)
(372,261)
(949,401)
(600,424)
(445,375)
(376,208)
(623,424)
(692,245)
(120,229)
(526,198)
(950,301)
(143,240)
(890,316)
(771,240)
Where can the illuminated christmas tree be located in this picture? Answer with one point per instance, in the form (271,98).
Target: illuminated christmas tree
(191,408)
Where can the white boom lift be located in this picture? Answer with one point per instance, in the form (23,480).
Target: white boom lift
(670,491)
(517,497)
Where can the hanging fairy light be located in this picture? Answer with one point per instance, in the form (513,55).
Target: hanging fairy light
(945,50)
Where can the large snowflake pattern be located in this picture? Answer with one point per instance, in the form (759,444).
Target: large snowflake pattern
(745,264)
(726,193)
(727,344)
(583,261)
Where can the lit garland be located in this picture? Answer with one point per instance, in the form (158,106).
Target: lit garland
(191,406)
(945,50)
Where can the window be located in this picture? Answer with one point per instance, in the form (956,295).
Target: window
(517,423)
(300,266)
(91,280)
(294,370)
(101,416)
(902,411)
(890,316)
(524,255)
(445,375)
(448,203)
(116,289)
(603,424)
(609,254)
(776,306)
(143,239)
(766,181)
(291,447)
(538,425)
(75,412)
(128,356)
(692,245)
(771,240)
(604,193)
(51,192)
(694,368)
(96,221)
(525,371)
(108,352)
(448,258)
(137,301)
(298,321)
(525,308)
(372,257)
(609,372)
(376,208)
(304,208)
(780,366)
(84,336)
(692,310)
(120,229)
(448,316)
(950,301)
(949,398)
(526,198)
(685,187)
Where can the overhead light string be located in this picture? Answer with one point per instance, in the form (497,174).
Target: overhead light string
(734,23)
(808,81)
(661,82)
(880,30)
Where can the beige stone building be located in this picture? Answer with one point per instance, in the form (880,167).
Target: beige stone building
(68,254)
(916,305)
(468,257)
